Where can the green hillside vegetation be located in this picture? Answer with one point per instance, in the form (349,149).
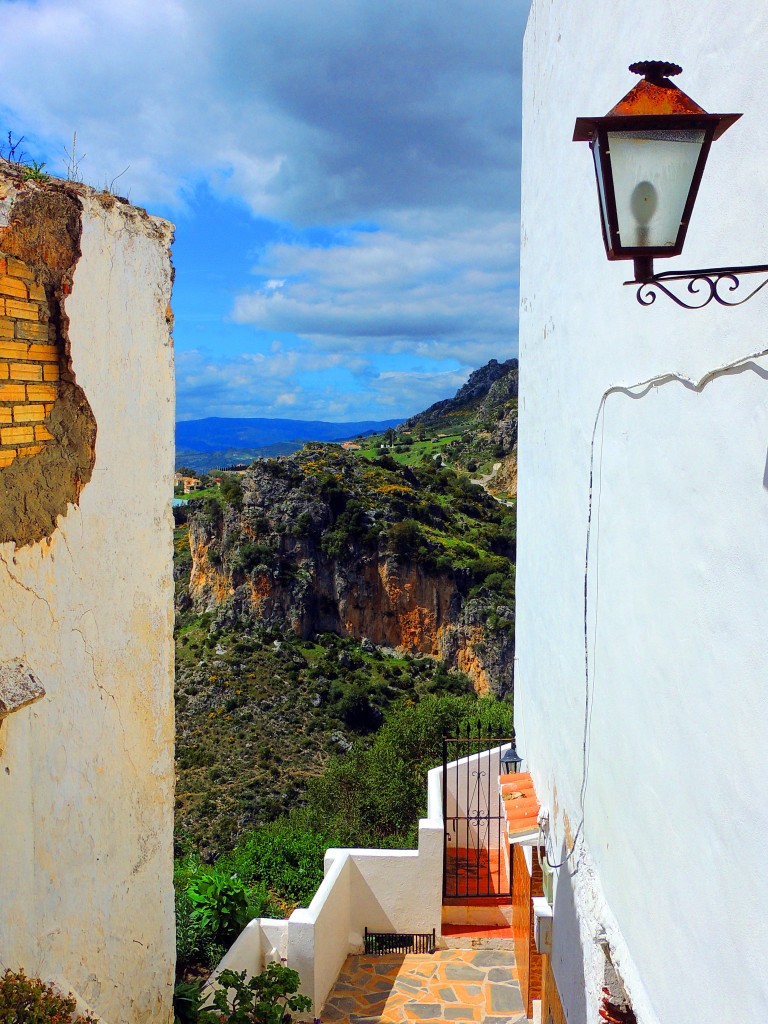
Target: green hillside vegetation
(260,713)
(469,432)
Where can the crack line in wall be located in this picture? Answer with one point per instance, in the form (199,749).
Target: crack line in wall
(28,589)
(635,391)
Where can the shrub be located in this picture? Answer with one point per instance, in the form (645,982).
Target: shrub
(263,999)
(188,1001)
(231,490)
(211,511)
(250,554)
(405,538)
(375,796)
(220,904)
(26,1000)
(286,856)
(190,934)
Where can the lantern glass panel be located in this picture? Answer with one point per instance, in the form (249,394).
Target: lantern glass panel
(596,153)
(652,176)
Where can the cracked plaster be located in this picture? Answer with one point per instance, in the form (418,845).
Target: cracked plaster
(86,774)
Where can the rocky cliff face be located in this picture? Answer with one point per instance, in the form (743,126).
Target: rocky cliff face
(412,560)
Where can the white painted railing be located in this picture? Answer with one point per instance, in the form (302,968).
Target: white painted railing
(383,890)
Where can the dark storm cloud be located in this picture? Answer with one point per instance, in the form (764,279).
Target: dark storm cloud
(308,110)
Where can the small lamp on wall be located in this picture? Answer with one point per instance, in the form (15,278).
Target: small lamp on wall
(510,759)
(649,152)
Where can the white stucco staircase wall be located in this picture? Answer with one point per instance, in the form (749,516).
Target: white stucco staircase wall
(382,890)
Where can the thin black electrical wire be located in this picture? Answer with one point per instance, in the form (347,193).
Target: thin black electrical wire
(631,392)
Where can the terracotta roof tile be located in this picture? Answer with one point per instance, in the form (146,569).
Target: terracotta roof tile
(520,803)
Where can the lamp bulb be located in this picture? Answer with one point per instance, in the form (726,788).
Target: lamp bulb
(644,202)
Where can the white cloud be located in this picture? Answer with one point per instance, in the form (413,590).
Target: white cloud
(257,385)
(394,292)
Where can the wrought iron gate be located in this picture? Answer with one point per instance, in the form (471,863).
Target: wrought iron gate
(475,863)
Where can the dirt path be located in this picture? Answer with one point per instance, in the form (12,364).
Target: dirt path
(483,481)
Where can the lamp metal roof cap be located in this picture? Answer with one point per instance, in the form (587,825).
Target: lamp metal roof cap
(653,97)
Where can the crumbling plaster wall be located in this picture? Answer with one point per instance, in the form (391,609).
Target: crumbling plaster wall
(664,791)
(86,773)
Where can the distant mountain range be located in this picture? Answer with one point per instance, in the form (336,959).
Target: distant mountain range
(220,441)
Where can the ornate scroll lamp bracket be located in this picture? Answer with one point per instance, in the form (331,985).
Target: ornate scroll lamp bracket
(719,284)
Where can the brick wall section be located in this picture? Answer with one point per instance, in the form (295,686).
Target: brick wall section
(29,363)
(551,1007)
(529,962)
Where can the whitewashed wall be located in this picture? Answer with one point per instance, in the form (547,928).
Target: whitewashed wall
(86,774)
(675,818)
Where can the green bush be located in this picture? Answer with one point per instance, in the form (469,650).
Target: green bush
(285,857)
(26,1000)
(190,934)
(405,538)
(220,905)
(188,1001)
(263,999)
(250,554)
(231,490)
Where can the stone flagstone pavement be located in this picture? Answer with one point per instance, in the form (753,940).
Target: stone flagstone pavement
(460,985)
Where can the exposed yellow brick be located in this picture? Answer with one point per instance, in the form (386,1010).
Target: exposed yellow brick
(4,371)
(7,457)
(17,435)
(43,434)
(28,413)
(12,393)
(45,353)
(32,450)
(31,331)
(26,371)
(3,265)
(19,269)
(50,373)
(36,291)
(22,310)
(39,392)
(6,414)
(12,286)
(13,349)
(6,327)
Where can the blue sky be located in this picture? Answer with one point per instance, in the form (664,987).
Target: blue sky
(343,176)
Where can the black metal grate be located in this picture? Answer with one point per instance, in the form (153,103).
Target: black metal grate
(380,943)
(473,862)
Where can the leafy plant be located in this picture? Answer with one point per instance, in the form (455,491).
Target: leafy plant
(34,172)
(220,904)
(26,1000)
(265,998)
(287,854)
(190,934)
(188,1001)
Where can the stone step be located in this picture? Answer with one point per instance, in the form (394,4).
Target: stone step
(476,942)
(478,914)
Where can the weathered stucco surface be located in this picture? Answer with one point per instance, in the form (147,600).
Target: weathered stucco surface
(671,834)
(86,772)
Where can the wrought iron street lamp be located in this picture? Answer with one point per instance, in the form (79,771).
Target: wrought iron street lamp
(510,759)
(649,152)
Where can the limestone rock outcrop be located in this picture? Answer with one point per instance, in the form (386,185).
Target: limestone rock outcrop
(324,542)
